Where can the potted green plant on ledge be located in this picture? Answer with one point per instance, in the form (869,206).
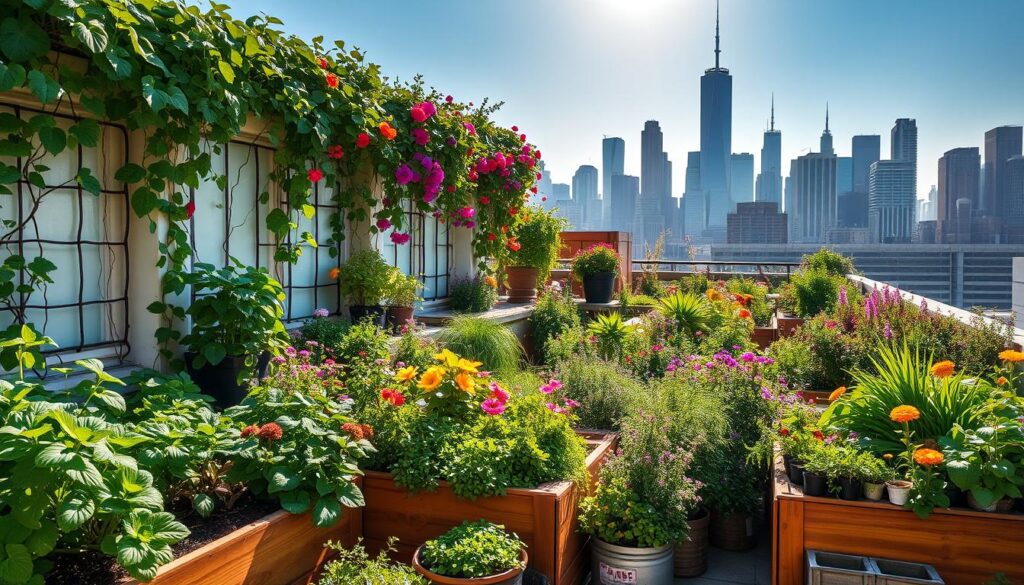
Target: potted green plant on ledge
(402,298)
(364,280)
(596,267)
(477,553)
(236,326)
(532,253)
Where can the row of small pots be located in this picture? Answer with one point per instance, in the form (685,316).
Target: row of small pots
(522,285)
(393,317)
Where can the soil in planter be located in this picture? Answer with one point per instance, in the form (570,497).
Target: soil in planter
(93,568)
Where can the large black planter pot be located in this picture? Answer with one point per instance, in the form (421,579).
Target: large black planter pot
(796,472)
(849,488)
(374,313)
(221,381)
(815,484)
(599,288)
(957,497)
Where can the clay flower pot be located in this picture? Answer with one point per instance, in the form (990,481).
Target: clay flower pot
(522,284)
(509,577)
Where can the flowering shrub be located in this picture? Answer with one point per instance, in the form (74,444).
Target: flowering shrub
(537,236)
(473,295)
(596,259)
(554,313)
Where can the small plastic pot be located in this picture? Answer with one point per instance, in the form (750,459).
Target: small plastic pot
(815,484)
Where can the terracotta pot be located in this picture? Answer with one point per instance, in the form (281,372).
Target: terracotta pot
(691,555)
(732,531)
(764,336)
(522,283)
(898,491)
(509,577)
(398,316)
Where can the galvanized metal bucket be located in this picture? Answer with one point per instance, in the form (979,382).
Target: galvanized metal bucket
(623,565)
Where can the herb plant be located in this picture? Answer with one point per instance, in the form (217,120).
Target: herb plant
(473,550)
(365,278)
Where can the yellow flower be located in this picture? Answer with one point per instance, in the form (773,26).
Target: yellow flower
(904,414)
(448,357)
(943,369)
(465,382)
(432,378)
(714,295)
(1011,355)
(406,374)
(491,281)
(467,365)
(837,393)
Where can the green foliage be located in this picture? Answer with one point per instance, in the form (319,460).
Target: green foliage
(829,262)
(237,313)
(362,342)
(473,550)
(696,414)
(403,290)
(821,355)
(327,332)
(492,343)
(538,237)
(572,342)
(597,259)
(415,349)
(307,462)
(730,484)
(554,314)
(610,331)
(757,301)
(697,283)
(365,278)
(814,291)
(903,378)
(472,295)
(689,312)
(988,461)
(354,566)
(605,392)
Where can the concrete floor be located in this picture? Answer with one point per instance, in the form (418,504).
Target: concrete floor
(752,567)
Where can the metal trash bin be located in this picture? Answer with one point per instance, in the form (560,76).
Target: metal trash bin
(826,568)
(889,572)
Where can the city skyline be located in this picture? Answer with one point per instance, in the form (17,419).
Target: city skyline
(872,70)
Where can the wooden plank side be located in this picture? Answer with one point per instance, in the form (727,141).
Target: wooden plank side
(965,549)
(788,563)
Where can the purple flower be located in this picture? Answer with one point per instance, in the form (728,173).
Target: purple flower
(842,296)
(887,332)
(321,312)
(403,174)
(766,393)
(747,357)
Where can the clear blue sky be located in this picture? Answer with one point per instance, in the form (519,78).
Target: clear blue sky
(571,71)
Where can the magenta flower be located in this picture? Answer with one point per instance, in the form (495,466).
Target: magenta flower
(403,174)
(321,312)
(842,296)
(470,128)
(887,332)
(417,114)
(400,238)
(420,136)
(428,108)
(383,223)
(498,393)
(492,406)
(467,212)
(555,408)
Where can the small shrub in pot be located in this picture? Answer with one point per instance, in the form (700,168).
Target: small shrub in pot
(365,280)
(473,552)
(596,267)
(532,252)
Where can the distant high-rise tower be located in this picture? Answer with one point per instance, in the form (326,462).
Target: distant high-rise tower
(769,181)
(650,220)
(1015,199)
(958,179)
(866,149)
(584,195)
(741,178)
(1000,144)
(694,212)
(612,163)
(624,194)
(812,210)
(904,147)
(891,202)
(716,142)
(826,137)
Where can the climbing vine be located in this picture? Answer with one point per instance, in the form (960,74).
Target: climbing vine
(188,78)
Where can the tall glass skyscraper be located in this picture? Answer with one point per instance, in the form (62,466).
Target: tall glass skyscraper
(1000,144)
(769,181)
(613,150)
(650,219)
(584,195)
(716,142)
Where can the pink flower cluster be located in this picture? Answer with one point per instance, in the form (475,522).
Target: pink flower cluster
(551,386)
(495,403)
(422,112)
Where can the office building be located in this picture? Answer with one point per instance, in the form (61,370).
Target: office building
(904,147)
(625,192)
(741,182)
(694,212)
(716,142)
(891,202)
(1001,144)
(1015,199)
(650,219)
(769,180)
(959,178)
(813,209)
(757,223)
(613,157)
(584,195)
(853,205)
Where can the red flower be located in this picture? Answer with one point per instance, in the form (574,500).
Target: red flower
(315,175)
(784,432)
(819,435)
(363,140)
(250,431)
(358,431)
(513,245)
(417,114)
(332,80)
(484,200)
(504,229)
(536,153)
(522,137)
(515,128)
(270,432)
(335,152)
(533,189)
(491,237)
(322,63)
(395,397)
(513,210)
(190,209)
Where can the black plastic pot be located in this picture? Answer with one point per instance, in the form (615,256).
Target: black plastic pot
(599,288)
(796,472)
(957,497)
(221,380)
(374,313)
(850,488)
(815,484)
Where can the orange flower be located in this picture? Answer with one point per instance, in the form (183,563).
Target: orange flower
(1002,381)
(927,457)
(837,393)
(943,369)
(406,374)
(904,414)
(465,382)
(1011,355)
(431,379)
(334,273)
(713,294)
(887,456)
(387,131)
(744,314)
(491,281)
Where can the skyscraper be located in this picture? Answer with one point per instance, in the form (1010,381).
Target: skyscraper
(584,195)
(613,151)
(1000,144)
(694,212)
(891,201)
(624,194)
(769,180)
(741,178)
(650,220)
(567,208)
(826,137)
(904,147)
(1015,197)
(959,171)
(757,223)
(716,142)
(853,206)
(813,208)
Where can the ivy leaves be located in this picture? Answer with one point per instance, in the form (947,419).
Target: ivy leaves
(21,39)
(158,98)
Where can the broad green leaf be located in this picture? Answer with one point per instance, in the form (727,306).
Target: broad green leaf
(203,504)
(43,540)
(11,76)
(963,474)
(43,86)
(87,132)
(89,182)
(8,174)
(214,353)
(22,39)
(74,511)
(17,567)
(295,501)
(226,71)
(54,455)
(326,511)
(130,173)
(280,479)
(91,34)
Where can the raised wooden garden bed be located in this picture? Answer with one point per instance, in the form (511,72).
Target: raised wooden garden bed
(966,547)
(278,549)
(788,324)
(764,336)
(544,517)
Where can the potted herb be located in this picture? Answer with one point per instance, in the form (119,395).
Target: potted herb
(596,267)
(364,282)
(847,471)
(236,326)
(402,298)
(532,253)
(730,489)
(640,506)
(816,469)
(472,553)
(875,474)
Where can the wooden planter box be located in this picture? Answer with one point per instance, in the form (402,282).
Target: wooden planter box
(788,324)
(278,549)
(544,517)
(764,336)
(966,547)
